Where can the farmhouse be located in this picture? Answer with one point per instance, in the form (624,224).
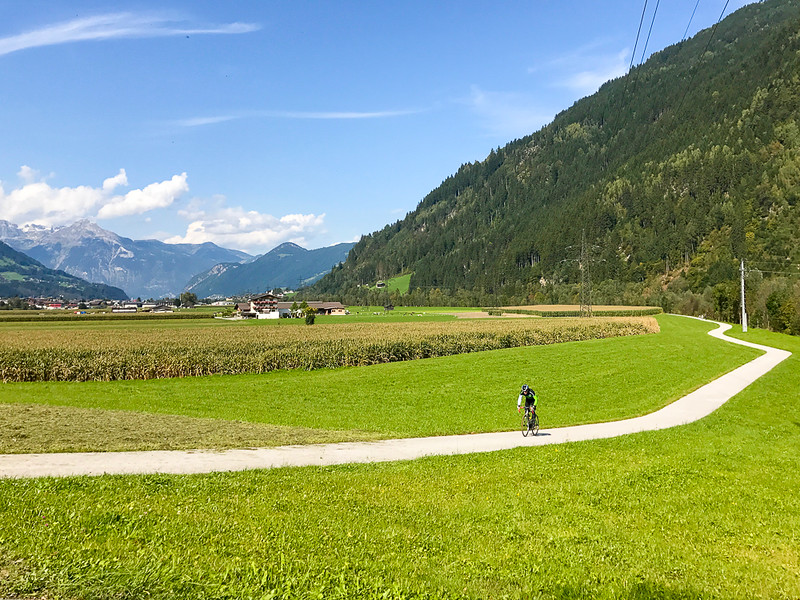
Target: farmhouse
(161,308)
(322,308)
(264,306)
(329,308)
(245,311)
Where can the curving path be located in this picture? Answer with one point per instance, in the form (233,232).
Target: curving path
(692,407)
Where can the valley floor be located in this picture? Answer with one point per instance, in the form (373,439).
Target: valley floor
(690,408)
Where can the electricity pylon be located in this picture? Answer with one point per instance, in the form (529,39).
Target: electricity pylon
(586,278)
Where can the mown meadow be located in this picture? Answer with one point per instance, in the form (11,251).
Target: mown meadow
(707,510)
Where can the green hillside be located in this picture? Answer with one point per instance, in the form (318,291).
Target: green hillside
(675,173)
(22,276)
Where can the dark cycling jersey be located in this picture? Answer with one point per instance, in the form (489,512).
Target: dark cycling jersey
(529,397)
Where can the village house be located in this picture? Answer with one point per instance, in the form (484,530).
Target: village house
(124,309)
(266,306)
(245,311)
(322,308)
(159,308)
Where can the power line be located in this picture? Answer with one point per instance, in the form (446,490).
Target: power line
(633,54)
(646,43)
(777,261)
(710,39)
(649,31)
(638,33)
(772,264)
(787,273)
(689,24)
(627,74)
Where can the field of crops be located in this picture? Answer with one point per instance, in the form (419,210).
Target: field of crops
(112,352)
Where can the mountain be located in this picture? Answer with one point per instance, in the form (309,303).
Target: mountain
(144,268)
(22,276)
(672,173)
(288,265)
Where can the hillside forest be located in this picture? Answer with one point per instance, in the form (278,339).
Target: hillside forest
(673,174)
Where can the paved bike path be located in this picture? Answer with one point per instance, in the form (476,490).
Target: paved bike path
(691,407)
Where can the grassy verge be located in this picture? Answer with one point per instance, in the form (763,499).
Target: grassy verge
(579,382)
(33,428)
(708,510)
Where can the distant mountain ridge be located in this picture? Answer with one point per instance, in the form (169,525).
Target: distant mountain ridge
(143,268)
(21,275)
(287,265)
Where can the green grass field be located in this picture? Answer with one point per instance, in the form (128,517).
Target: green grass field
(396,284)
(12,276)
(400,283)
(580,382)
(707,510)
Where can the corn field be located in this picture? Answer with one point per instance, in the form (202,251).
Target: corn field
(116,353)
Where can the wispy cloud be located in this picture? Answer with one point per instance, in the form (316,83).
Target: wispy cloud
(584,69)
(340,115)
(508,114)
(111,26)
(288,114)
(605,67)
(201,121)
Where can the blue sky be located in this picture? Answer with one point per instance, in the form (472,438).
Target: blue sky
(252,123)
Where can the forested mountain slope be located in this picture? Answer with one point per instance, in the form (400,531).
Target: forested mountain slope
(22,276)
(674,173)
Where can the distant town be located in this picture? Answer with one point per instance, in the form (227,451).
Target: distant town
(274,304)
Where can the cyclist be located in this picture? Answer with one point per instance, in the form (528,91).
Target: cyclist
(530,400)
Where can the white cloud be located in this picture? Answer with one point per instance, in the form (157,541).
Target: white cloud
(603,68)
(38,202)
(248,230)
(110,26)
(136,202)
(110,184)
(508,114)
(27,174)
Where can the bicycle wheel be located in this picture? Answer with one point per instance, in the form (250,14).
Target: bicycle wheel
(525,425)
(535,424)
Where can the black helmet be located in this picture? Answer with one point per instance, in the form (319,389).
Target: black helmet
(525,388)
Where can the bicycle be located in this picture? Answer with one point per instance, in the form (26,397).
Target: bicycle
(530,422)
